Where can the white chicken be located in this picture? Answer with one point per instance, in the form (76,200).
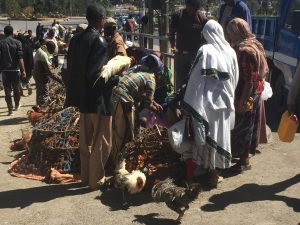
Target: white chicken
(132,183)
(115,66)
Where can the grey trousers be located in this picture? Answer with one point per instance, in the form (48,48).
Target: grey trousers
(183,63)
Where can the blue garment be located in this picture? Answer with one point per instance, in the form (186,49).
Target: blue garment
(239,10)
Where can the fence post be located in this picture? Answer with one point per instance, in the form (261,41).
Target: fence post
(151,24)
(165,28)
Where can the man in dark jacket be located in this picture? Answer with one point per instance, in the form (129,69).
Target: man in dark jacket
(28,62)
(85,90)
(11,63)
(185,38)
(232,9)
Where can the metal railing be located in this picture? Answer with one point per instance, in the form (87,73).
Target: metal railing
(168,56)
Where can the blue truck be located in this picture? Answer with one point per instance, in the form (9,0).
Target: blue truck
(280,36)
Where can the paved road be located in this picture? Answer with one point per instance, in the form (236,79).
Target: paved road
(31,25)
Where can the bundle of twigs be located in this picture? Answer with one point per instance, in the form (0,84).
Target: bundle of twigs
(56,103)
(57,94)
(151,153)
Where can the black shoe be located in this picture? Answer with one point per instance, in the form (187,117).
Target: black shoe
(10,113)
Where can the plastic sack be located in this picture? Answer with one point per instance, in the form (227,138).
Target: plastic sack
(157,118)
(178,139)
(267,92)
(199,133)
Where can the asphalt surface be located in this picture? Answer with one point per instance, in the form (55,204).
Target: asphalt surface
(22,25)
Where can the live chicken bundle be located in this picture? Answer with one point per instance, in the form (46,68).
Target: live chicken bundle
(57,98)
(151,153)
(55,141)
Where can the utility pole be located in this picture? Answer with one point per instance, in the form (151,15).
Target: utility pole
(164,46)
(150,23)
(71,7)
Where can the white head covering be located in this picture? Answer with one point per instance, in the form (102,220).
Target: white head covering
(217,53)
(214,34)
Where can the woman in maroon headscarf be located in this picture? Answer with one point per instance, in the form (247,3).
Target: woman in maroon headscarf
(253,70)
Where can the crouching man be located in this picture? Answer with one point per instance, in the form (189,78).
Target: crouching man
(134,91)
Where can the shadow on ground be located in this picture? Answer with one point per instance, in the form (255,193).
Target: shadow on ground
(25,197)
(151,219)
(13,121)
(113,199)
(252,193)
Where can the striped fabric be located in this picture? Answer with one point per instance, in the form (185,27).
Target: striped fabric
(134,86)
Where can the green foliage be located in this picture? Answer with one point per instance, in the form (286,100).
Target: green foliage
(11,7)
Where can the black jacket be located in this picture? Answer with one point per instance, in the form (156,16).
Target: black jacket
(10,53)
(87,54)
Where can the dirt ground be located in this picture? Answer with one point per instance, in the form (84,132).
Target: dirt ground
(268,194)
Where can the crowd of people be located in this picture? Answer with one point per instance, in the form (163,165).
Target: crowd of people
(220,70)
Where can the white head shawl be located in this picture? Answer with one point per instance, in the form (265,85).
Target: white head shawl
(217,53)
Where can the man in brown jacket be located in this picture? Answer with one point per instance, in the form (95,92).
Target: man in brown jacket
(116,45)
(129,26)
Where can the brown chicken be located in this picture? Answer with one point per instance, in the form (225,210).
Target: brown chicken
(176,198)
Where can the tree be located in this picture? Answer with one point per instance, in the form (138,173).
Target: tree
(11,7)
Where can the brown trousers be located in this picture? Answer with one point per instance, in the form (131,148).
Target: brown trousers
(123,128)
(94,145)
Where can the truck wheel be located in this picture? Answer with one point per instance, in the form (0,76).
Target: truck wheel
(278,98)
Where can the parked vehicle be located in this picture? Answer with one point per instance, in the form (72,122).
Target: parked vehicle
(280,36)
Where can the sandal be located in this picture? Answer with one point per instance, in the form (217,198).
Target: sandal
(238,168)
(214,179)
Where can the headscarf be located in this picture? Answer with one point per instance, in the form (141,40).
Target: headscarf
(217,47)
(246,42)
(159,65)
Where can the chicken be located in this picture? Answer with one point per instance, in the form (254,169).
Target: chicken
(176,198)
(114,66)
(132,183)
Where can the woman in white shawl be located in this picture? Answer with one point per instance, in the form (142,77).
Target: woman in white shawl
(209,100)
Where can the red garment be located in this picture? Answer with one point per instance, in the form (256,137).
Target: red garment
(249,72)
(190,169)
